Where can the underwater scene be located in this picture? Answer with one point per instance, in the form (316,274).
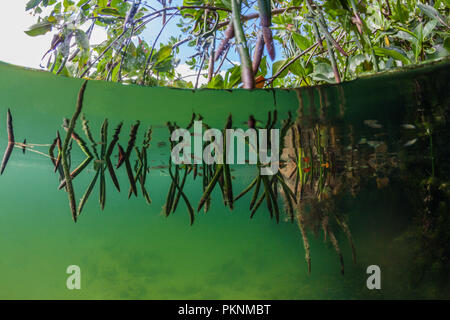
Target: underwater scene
(87,180)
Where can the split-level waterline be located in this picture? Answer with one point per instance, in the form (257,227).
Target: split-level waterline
(357,165)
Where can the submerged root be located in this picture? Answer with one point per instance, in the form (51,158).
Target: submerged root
(346,230)
(11,142)
(336,247)
(325,228)
(300,222)
(64,153)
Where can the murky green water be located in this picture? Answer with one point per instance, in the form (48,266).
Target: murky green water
(131,250)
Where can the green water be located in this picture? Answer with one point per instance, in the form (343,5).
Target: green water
(132,251)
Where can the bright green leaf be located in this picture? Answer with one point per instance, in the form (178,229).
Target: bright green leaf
(447,44)
(300,41)
(394,52)
(162,54)
(355,61)
(235,77)
(297,69)
(81,39)
(110,12)
(432,13)
(323,72)
(429,27)
(39,28)
(32,4)
(278,65)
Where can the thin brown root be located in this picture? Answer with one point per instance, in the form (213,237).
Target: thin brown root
(300,222)
(338,250)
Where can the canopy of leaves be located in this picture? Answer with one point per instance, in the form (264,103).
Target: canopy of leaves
(314,42)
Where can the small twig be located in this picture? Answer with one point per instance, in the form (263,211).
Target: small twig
(222,61)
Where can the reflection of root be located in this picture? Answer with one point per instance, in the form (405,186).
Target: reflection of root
(325,228)
(300,222)
(336,247)
(346,230)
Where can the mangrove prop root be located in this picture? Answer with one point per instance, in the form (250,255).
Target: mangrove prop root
(186,200)
(82,165)
(180,189)
(68,178)
(10,146)
(87,193)
(300,222)
(111,146)
(258,52)
(104,135)
(59,144)
(87,132)
(131,143)
(347,232)
(247,189)
(121,156)
(255,192)
(228,188)
(229,34)
(336,247)
(210,187)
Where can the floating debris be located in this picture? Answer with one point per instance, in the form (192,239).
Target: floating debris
(382,182)
(160,167)
(408,126)
(373,144)
(410,142)
(373,124)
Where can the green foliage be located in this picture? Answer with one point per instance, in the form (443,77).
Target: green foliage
(357,38)
(39,28)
